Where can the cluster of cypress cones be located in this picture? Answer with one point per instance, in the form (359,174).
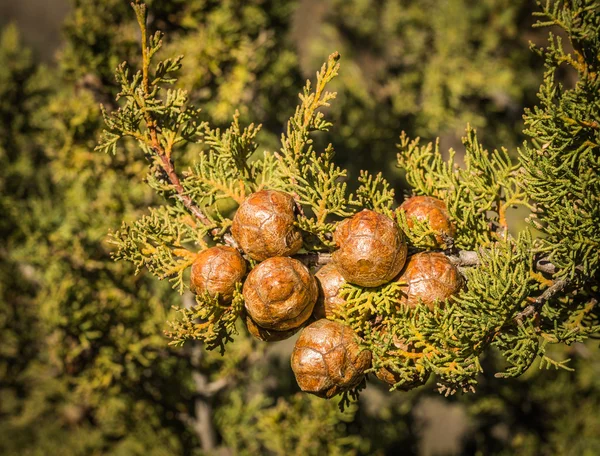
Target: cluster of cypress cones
(282,295)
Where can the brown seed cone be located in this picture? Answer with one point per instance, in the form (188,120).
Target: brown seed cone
(217,270)
(268,335)
(372,249)
(280,293)
(431,277)
(428,208)
(263,225)
(330,282)
(327,359)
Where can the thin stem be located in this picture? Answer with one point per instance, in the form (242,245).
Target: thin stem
(531,309)
(165,156)
(462,258)
(502,217)
(141,15)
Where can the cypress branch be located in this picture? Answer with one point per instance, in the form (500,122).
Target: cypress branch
(509,301)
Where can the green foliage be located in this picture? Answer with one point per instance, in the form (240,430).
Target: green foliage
(420,234)
(373,193)
(157,241)
(253,426)
(565,144)
(448,340)
(225,170)
(84,368)
(209,321)
(365,303)
(564,150)
(311,176)
(238,57)
(21,94)
(81,332)
(478,196)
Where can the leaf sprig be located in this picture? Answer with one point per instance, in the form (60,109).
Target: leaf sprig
(508,303)
(208,321)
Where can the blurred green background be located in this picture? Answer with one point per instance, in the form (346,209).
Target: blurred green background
(84,366)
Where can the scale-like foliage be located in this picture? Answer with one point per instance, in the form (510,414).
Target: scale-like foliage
(374,192)
(83,365)
(311,176)
(564,152)
(449,340)
(209,321)
(517,296)
(158,242)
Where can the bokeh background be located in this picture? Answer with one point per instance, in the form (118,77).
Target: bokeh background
(84,366)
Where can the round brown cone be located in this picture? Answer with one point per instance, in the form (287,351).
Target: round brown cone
(216,271)
(327,359)
(427,208)
(280,293)
(264,227)
(371,249)
(430,277)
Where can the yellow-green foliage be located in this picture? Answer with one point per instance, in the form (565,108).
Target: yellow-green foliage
(492,310)
(84,365)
